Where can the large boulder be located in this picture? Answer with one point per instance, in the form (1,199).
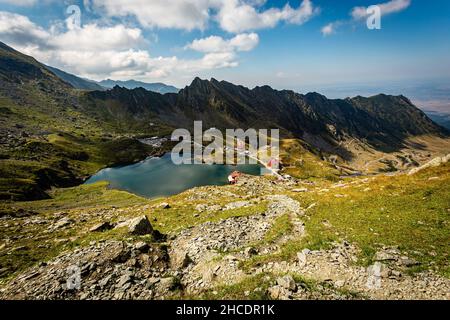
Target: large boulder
(140,226)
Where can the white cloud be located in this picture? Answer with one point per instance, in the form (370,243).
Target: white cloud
(26,3)
(387,8)
(238,16)
(245,41)
(94,38)
(232,15)
(241,42)
(329,29)
(100,52)
(177,14)
(21,3)
(19,29)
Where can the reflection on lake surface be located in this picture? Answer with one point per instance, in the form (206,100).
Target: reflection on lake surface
(156,177)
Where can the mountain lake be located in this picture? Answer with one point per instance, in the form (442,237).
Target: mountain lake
(160,177)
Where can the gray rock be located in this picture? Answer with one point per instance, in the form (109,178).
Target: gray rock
(385,256)
(339,283)
(140,226)
(64,222)
(287,282)
(124,280)
(164,205)
(236,205)
(104,281)
(278,293)
(379,270)
(120,255)
(100,227)
(408,262)
(250,251)
(180,260)
(300,190)
(167,284)
(396,274)
(301,256)
(150,283)
(141,246)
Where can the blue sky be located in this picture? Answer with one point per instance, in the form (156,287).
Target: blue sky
(254,42)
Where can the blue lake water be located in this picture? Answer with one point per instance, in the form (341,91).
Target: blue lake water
(157,177)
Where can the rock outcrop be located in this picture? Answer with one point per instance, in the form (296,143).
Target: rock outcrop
(433,163)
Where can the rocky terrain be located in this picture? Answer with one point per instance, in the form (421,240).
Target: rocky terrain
(235,247)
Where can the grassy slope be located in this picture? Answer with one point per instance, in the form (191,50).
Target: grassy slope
(88,205)
(411,212)
(33,243)
(61,145)
(51,135)
(301,162)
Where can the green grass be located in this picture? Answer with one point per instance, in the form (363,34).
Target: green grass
(96,195)
(87,200)
(411,212)
(260,282)
(40,245)
(281,226)
(302,163)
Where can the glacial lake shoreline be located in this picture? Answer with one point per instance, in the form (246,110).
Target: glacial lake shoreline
(159,177)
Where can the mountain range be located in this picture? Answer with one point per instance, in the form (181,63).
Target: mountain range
(86,84)
(76,82)
(440,118)
(133,84)
(382,122)
(56,135)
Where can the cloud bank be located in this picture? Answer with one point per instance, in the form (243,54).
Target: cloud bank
(114,48)
(231,15)
(98,52)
